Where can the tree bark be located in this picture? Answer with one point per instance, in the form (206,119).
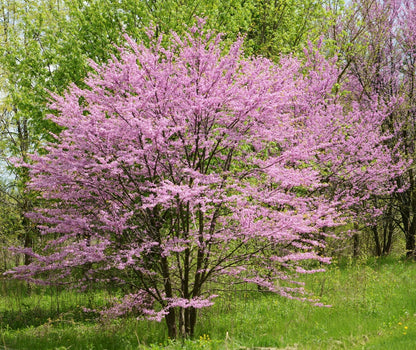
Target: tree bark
(378,251)
(171,323)
(388,237)
(356,245)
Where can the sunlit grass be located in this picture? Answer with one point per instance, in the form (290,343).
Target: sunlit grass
(373,307)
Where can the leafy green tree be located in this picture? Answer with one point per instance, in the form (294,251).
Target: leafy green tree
(26,70)
(284,26)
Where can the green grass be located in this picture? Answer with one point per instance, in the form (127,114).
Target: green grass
(373,307)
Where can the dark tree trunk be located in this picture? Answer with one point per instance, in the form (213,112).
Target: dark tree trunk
(171,323)
(171,316)
(28,228)
(408,222)
(356,245)
(410,236)
(28,244)
(192,320)
(410,243)
(185,318)
(374,228)
(383,240)
(388,237)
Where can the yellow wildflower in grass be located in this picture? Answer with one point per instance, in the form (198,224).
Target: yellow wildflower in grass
(204,338)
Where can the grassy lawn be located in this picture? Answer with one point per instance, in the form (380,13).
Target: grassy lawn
(373,307)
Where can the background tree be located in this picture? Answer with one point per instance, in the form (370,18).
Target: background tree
(26,30)
(348,162)
(375,49)
(285,26)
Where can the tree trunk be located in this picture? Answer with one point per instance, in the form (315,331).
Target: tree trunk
(171,323)
(356,245)
(388,237)
(408,222)
(410,244)
(171,316)
(410,238)
(28,244)
(192,320)
(186,318)
(28,230)
(374,228)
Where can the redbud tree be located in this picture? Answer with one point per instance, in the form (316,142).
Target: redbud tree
(376,45)
(185,168)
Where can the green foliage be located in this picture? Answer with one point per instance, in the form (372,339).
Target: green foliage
(11,228)
(373,307)
(45,44)
(284,26)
